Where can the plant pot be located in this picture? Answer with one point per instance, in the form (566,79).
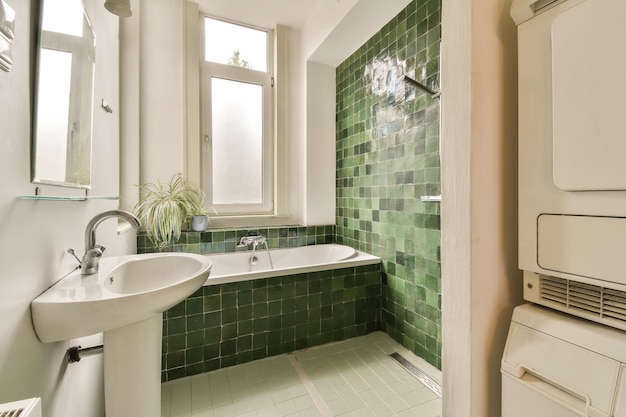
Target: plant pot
(199,223)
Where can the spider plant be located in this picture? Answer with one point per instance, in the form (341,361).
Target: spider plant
(164,208)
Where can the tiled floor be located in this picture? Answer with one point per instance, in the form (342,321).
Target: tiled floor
(354,378)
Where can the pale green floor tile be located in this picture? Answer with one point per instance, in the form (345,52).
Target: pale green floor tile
(355,377)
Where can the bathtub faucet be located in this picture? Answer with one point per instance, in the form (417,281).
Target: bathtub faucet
(253,240)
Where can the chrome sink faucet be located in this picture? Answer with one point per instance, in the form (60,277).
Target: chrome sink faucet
(90,262)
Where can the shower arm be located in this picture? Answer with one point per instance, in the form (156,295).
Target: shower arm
(433,93)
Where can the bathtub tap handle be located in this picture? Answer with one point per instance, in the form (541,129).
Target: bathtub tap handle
(251,240)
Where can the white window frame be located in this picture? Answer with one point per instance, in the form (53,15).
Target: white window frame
(211,70)
(284,172)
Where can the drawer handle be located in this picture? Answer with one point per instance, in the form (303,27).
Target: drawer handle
(560,393)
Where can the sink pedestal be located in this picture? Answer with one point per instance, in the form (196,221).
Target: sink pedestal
(132,369)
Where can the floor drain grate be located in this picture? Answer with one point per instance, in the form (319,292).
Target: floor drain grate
(417,373)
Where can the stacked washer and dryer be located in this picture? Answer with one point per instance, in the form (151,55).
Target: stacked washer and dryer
(565,354)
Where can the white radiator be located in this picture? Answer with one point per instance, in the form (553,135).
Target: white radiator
(24,408)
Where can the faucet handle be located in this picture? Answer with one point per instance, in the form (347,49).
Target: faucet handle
(72,252)
(95,253)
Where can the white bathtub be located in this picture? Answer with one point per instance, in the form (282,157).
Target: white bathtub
(235,266)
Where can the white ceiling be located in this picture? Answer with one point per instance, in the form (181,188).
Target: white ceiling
(262,13)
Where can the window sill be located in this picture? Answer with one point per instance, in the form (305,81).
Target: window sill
(221,222)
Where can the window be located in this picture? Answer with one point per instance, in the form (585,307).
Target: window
(236,119)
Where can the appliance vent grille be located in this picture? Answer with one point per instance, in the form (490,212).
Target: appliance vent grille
(587,299)
(541,4)
(12,413)
(24,408)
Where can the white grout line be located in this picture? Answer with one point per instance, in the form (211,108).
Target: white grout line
(315,395)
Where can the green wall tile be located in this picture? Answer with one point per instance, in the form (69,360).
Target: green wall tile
(387,157)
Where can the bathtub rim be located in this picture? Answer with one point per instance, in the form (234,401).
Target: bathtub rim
(358,259)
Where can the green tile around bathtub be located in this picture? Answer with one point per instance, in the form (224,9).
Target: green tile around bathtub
(229,315)
(244,298)
(297,318)
(228,332)
(194,305)
(244,313)
(212,333)
(212,303)
(225,240)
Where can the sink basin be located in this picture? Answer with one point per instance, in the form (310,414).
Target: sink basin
(146,274)
(126,290)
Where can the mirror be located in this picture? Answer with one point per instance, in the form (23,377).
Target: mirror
(66,55)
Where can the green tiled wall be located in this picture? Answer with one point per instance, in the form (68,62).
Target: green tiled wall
(387,157)
(228,324)
(225,240)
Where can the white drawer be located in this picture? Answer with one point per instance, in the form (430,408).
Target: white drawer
(557,365)
(527,396)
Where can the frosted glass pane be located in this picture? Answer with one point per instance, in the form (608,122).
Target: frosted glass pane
(227,43)
(237,157)
(63,16)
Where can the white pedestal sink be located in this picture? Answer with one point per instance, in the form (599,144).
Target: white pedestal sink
(125,300)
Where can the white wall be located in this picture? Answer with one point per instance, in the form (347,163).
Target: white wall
(36,234)
(337,28)
(320,153)
(161,100)
(480,279)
